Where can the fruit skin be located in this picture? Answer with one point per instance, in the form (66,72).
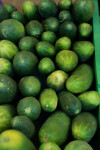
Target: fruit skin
(6,67)
(69,103)
(15,140)
(64,4)
(34,28)
(30,10)
(84,126)
(30,107)
(25,63)
(46,66)
(49,36)
(68,29)
(47,8)
(49,146)
(8,49)
(45,49)
(16,32)
(66,60)
(64,15)
(8,89)
(48,100)
(85,30)
(90,100)
(18,16)
(3,13)
(28,43)
(24,125)
(51,24)
(78,145)
(63,43)
(84,50)
(10,8)
(29,86)
(80,80)
(55,128)
(7,112)
(83,10)
(57,79)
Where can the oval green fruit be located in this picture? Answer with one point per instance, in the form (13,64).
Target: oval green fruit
(8,89)
(6,67)
(49,36)
(55,128)
(15,140)
(84,50)
(48,100)
(30,107)
(24,125)
(18,16)
(85,30)
(25,63)
(64,4)
(34,28)
(3,13)
(90,100)
(6,114)
(57,79)
(51,24)
(28,43)
(68,29)
(80,80)
(64,15)
(29,86)
(46,66)
(78,145)
(83,10)
(10,8)
(16,32)
(45,49)
(69,103)
(30,10)
(47,8)
(84,126)
(49,146)
(63,43)
(66,60)
(8,49)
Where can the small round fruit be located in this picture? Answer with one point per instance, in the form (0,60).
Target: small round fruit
(68,29)
(10,8)
(48,100)
(24,125)
(66,60)
(34,28)
(49,37)
(45,49)
(64,4)
(25,63)
(63,43)
(6,67)
(56,80)
(8,89)
(29,86)
(8,49)
(78,145)
(64,15)
(85,30)
(28,43)
(51,24)
(49,146)
(47,8)
(30,107)
(46,66)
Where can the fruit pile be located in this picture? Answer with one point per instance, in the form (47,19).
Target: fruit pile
(47,95)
